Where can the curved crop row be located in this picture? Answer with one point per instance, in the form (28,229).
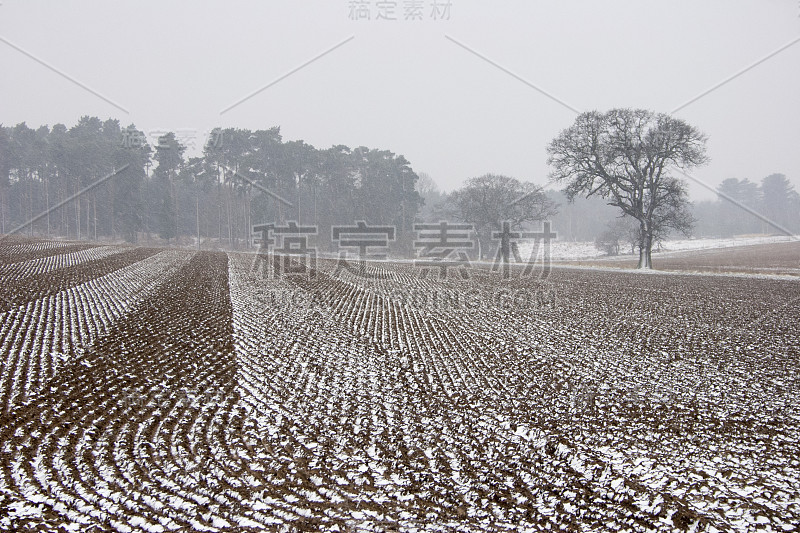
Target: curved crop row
(42,335)
(225,398)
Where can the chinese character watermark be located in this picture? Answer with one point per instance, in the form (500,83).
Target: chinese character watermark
(360,10)
(157,138)
(413,10)
(289,248)
(133,139)
(394,10)
(214,141)
(509,248)
(440,10)
(361,237)
(443,246)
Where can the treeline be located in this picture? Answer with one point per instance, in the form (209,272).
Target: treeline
(98,180)
(44,167)
(742,207)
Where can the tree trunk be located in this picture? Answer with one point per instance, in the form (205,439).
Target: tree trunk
(3,210)
(63,225)
(505,250)
(645,248)
(78,217)
(47,200)
(299,200)
(249,222)
(30,204)
(228,211)
(316,222)
(219,215)
(197,217)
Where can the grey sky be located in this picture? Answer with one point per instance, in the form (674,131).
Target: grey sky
(405,86)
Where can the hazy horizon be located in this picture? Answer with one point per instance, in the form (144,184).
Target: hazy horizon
(481,89)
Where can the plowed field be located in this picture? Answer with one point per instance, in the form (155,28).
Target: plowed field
(168,390)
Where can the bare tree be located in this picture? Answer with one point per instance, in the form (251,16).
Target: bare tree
(433,198)
(426,184)
(625,156)
(490,200)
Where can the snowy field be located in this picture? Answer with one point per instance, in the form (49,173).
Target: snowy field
(170,390)
(565,251)
(711,244)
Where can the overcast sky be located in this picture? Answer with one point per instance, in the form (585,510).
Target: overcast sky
(459,95)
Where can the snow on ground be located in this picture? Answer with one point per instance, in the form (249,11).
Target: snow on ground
(681,245)
(566,251)
(227,398)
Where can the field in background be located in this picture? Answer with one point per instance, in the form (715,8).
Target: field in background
(156,390)
(777,256)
